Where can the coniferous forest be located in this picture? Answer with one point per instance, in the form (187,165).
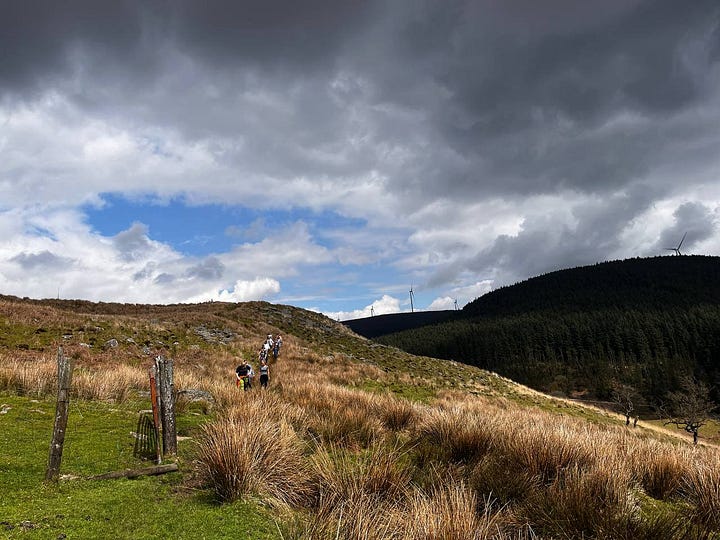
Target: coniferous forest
(641,322)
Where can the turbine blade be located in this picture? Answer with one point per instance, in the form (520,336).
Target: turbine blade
(681,241)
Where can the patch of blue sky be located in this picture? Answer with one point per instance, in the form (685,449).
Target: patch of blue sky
(201,230)
(353,288)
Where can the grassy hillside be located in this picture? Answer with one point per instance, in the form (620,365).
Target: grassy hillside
(352,440)
(641,322)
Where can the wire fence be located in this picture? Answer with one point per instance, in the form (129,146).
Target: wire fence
(100,437)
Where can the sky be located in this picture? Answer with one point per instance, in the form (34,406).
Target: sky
(334,154)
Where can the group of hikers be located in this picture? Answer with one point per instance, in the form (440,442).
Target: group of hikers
(245,374)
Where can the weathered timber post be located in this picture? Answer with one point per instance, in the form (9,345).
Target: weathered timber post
(65,368)
(155,410)
(167,409)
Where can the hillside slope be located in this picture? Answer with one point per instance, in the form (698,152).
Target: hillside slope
(352,439)
(642,322)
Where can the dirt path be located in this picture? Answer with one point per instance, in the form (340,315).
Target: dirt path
(646,425)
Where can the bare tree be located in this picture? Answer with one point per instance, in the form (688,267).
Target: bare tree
(627,400)
(690,407)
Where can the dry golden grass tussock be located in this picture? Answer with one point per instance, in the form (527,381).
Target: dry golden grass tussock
(336,414)
(109,383)
(586,502)
(453,435)
(449,513)
(659,467)
(362,517)
(396,414)
(380,472)
(246,452)
(28,377)
(701,488)
(545,452)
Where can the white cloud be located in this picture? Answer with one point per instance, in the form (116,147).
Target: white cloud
(383,306)
(242,291)
(52,252)
(443,303)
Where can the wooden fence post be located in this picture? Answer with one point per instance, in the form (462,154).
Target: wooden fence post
(156,411)
(65,368)
(167,409)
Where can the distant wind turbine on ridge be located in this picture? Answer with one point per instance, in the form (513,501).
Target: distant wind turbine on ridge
(677,249)
(412,300)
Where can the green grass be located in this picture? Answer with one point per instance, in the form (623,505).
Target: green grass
(709,433)
(421,394)
(99,440)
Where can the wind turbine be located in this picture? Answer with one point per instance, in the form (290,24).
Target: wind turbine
(412,299)
(372,311)
(456,308)
(677,249)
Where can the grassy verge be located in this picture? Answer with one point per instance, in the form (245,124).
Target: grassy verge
(99,440)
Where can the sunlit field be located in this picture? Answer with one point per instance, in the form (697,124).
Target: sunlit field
(340,447)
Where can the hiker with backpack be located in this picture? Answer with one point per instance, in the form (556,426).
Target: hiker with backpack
(264,351)
(264,374)
(276,347)
(242,374)
(251,375)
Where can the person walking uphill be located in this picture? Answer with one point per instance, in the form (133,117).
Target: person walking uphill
(242,373)
(264,374)
(276,347)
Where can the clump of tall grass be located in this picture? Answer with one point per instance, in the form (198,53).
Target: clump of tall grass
(335,414)
(544,451)
(248,452)
(32,378)
(113,384)
(379,472)
(495,475)
(701,488)
(396,414)
(659,468)
(452,435)
(360,517)
(450,513)
(592,502)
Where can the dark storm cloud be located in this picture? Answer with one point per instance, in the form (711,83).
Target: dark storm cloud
(164,279)
(482,97)
(519,102)
(546,242)
(694,222)
(39,37)
(274,34)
